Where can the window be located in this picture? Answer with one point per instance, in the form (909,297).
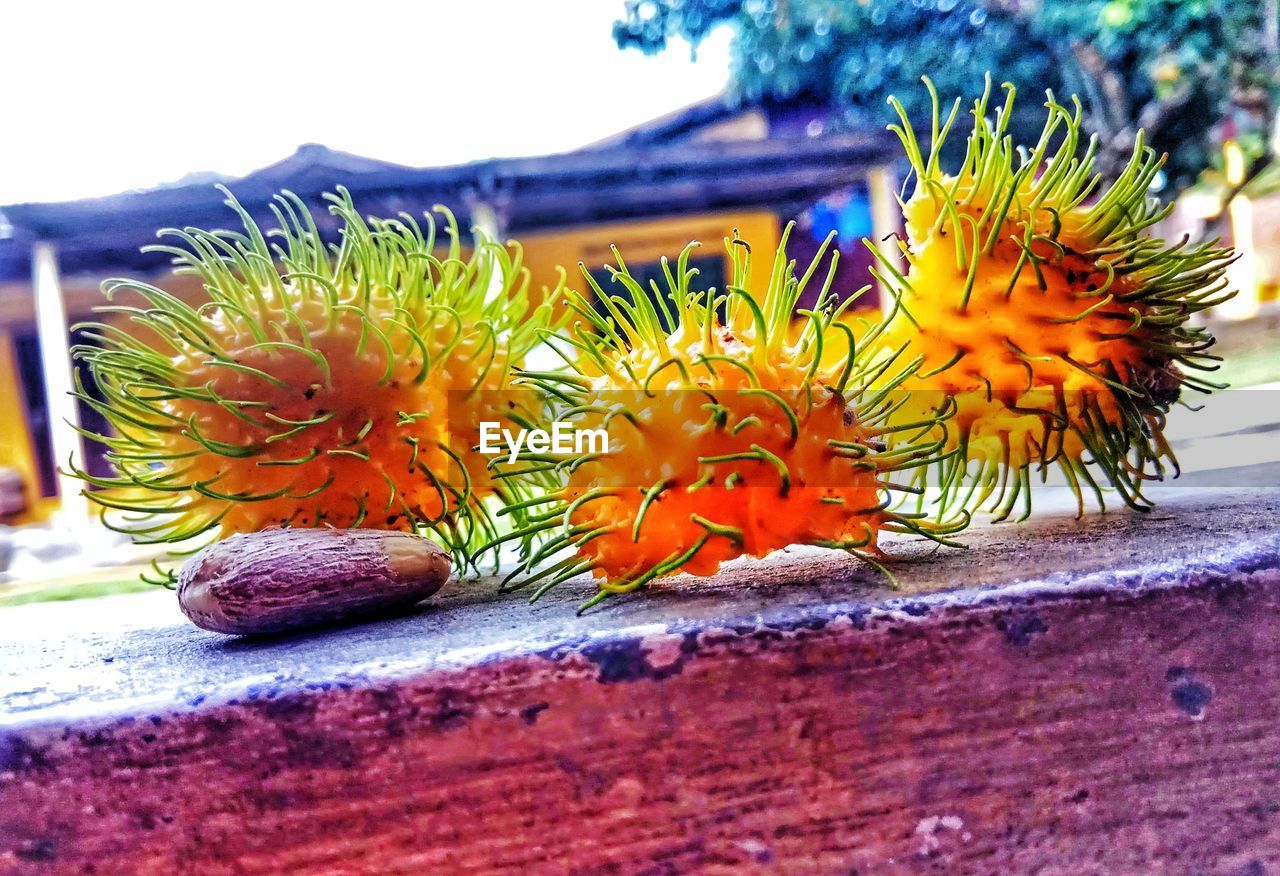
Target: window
(31,379)
(848,213)
(712,273)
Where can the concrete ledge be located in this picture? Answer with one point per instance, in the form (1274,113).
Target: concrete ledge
(1084,697)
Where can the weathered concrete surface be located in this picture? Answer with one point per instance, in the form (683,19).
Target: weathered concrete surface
(1069,697)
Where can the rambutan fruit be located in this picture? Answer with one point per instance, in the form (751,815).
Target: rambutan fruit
(729,434)
(1042,307)
(314,386)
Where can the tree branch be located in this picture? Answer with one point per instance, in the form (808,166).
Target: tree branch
(1115,101)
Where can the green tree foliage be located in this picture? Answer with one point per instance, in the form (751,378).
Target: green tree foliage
(1176,68)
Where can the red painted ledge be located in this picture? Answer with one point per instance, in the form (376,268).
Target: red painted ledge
(1067,697)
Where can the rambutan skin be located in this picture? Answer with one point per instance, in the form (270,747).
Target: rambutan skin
(321,445)
(716,480)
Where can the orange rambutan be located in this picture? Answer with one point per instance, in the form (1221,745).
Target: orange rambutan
(313,387)
(728,433)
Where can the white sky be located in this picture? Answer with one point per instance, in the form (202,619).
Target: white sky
(101,97)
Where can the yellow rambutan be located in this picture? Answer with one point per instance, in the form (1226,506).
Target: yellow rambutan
(1043,309)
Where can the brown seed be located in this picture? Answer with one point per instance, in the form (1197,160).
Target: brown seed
(282,579)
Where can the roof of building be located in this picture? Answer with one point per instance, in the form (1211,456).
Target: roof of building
(658,174)
(681,124)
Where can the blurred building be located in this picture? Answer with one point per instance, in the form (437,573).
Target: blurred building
(700,173)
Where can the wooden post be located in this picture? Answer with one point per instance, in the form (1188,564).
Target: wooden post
(1243,274)
(51,327)
(881,185)
(485,218)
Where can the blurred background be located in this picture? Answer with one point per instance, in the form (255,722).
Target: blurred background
(572,126)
